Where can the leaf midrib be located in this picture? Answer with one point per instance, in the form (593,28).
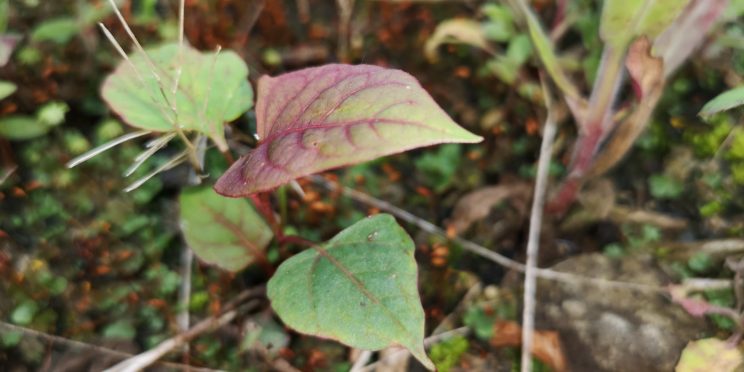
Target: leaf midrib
(322,252)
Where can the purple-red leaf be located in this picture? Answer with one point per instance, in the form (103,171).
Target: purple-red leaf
(325,117)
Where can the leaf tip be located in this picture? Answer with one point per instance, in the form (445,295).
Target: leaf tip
(232,183)
(419,353)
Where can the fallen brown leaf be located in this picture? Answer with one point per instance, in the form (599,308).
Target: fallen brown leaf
(476,205)
(546,345)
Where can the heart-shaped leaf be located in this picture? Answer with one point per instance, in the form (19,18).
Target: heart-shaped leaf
(225,232)
(212,90)
(325,117)
(359,288)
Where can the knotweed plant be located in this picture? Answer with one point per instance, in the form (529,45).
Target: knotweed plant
(359,288)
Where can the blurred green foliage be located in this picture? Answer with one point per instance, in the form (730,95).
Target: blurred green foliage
(438,167)
(445,355)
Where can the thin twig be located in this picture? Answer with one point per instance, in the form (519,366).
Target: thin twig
(115,142)
(173,162)
(533,241)
(229,312)
(706,284)
(184,294)
(247,22)
(149,357)
(477,248)
(345,11)
(8,172)
(89,347)
(152,147)
(179,69)
(361,361)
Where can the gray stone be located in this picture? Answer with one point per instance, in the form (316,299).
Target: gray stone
(609,329)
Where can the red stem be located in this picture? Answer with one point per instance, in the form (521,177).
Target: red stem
(297,240)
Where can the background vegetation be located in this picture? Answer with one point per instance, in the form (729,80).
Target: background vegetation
(84,260)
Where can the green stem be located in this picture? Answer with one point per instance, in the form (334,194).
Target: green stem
(604,93)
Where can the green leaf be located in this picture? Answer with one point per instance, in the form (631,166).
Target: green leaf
(335,115)
(20,128)
(264,332)
(213,89)
(359,288)
(439,167)
(624,20)
(120,329)
(700,262)
(91,13)
(546,51)
(665,187)
(3,15)
(6,89)
(58,30)
(455,31)
(724,101)
(224,232)
(480,322)
(500,23)
(10,338)
(24,313)
(658,15)
(52,113)
(446,354)
(519,50)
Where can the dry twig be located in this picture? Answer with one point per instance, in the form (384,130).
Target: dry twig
(478,249)
(53,339)
(149,357)
(533,241)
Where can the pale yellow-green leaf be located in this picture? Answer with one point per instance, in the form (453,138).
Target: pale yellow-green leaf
(624,20)
(455,31)
(546,51)
(709,354)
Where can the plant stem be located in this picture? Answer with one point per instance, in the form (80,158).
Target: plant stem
(281,195)
(596,125)
(533,242)
(263,204)
(297,240)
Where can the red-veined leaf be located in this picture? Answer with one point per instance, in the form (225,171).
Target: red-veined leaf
(326,117)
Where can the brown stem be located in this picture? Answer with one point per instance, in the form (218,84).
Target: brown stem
(228,157)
